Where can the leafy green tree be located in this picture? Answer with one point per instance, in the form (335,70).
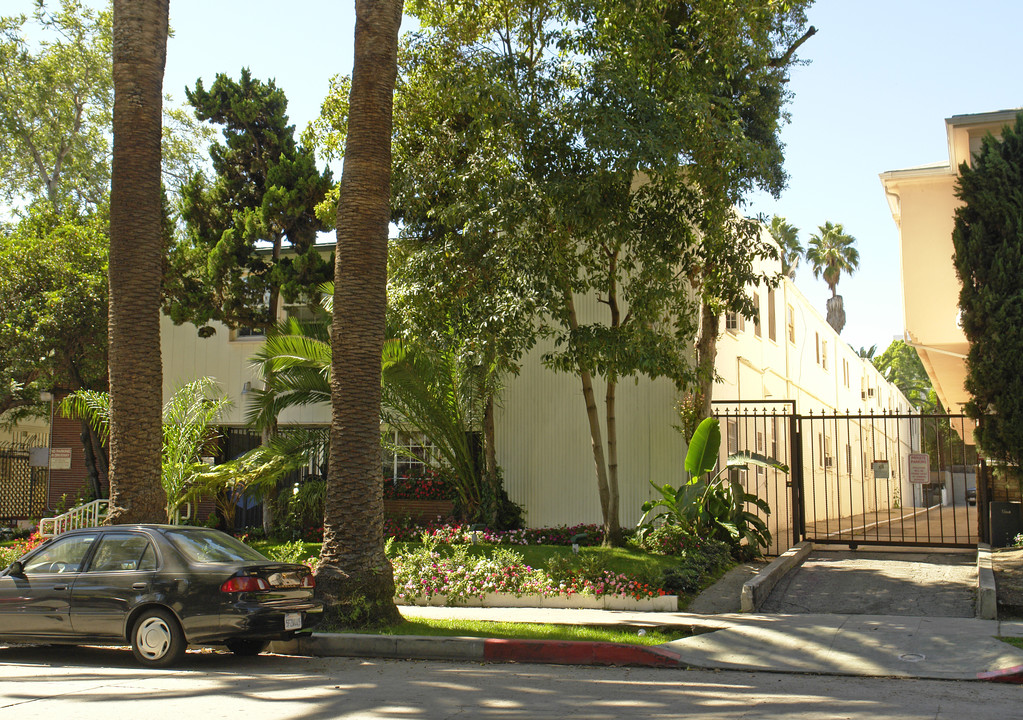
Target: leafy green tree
(988,241)
(56,96)
(569,135)
(263,193)
(137,231)
(53,321)
(901,365)
(53,276)
(787,236)
(830,253)
(354,576)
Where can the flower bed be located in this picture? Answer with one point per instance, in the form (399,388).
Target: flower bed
(424,576)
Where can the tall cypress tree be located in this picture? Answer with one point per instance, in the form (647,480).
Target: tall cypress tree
(988,240)
(229,266)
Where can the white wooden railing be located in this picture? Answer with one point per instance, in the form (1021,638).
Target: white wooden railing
(83,516)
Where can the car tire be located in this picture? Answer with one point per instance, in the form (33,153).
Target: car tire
(156,638)
(246,647)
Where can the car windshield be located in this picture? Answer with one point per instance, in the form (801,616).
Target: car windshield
(212,546)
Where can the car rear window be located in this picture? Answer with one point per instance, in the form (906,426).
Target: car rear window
(212,546)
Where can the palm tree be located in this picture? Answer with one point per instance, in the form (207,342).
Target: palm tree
(831,252)
(136,262)
(787,236)
(354,577)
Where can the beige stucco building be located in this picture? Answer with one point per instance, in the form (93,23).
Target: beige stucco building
(543,440)
(923,202)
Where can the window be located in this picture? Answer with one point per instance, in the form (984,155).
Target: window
(405,455)
(756,318)
(760,449)
(790,321)
(824,354)
(845,372)
(848,458)
(734,322)
(63,556)
(244,333)
(123,552)
(817,347)
(771,325)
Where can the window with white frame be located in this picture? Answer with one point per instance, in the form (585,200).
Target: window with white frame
(790,321)
(405,455)
(772,333)
(734,322)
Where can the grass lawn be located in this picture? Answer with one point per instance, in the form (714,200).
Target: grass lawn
(1018,642)
(537,631)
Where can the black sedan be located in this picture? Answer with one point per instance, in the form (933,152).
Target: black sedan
(159,588)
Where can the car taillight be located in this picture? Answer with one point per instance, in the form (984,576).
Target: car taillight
(245,584)
(308,581)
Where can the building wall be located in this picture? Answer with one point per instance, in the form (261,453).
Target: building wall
(544,449)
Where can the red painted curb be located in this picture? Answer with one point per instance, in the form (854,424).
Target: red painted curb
(1013,675)
(564,652)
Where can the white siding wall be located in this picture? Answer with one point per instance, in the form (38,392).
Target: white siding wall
(186,357)
(543,444)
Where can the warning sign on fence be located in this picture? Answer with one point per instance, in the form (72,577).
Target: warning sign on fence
(919,468)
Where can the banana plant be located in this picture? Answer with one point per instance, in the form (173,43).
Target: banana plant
(713,506)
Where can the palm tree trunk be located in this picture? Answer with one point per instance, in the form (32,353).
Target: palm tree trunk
(354,577)
(136,263)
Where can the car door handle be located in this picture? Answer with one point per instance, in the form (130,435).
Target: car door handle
(139,586)
(60,587)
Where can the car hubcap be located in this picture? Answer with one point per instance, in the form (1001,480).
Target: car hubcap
(153,638)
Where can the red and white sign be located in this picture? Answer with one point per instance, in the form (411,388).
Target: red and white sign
(919,468)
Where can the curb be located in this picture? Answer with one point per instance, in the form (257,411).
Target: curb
(987,595)
(756,590)
(419,647)
(1013,675)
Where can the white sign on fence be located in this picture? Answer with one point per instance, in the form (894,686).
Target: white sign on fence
(60,458)
(919,468)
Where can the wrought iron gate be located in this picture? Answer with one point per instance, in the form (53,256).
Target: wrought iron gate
(22,487)
(858,479)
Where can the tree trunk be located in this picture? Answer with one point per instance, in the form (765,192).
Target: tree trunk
(490,458)
(609,514)
(706,355)
(136,262)
(614,533)
(354,577)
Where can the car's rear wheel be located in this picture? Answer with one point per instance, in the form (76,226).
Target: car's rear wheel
(156,638)
(246,647)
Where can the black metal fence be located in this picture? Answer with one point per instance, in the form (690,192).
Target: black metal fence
(859,479)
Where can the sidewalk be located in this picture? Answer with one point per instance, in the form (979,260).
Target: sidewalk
(857,645)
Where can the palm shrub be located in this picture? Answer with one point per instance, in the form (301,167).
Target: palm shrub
(706,506)
(189,434)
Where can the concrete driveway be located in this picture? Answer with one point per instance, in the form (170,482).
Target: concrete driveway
(860,582)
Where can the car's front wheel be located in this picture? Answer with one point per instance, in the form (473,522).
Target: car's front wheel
(157,639)
(246,647)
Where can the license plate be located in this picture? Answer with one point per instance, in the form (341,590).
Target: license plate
(293,621)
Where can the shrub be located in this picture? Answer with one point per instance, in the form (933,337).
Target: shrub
(289,552)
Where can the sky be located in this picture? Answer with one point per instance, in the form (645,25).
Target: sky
(881,78)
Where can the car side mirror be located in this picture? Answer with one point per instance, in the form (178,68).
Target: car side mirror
(16,569)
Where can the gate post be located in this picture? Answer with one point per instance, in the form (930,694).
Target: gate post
(796,478)
(983,498)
